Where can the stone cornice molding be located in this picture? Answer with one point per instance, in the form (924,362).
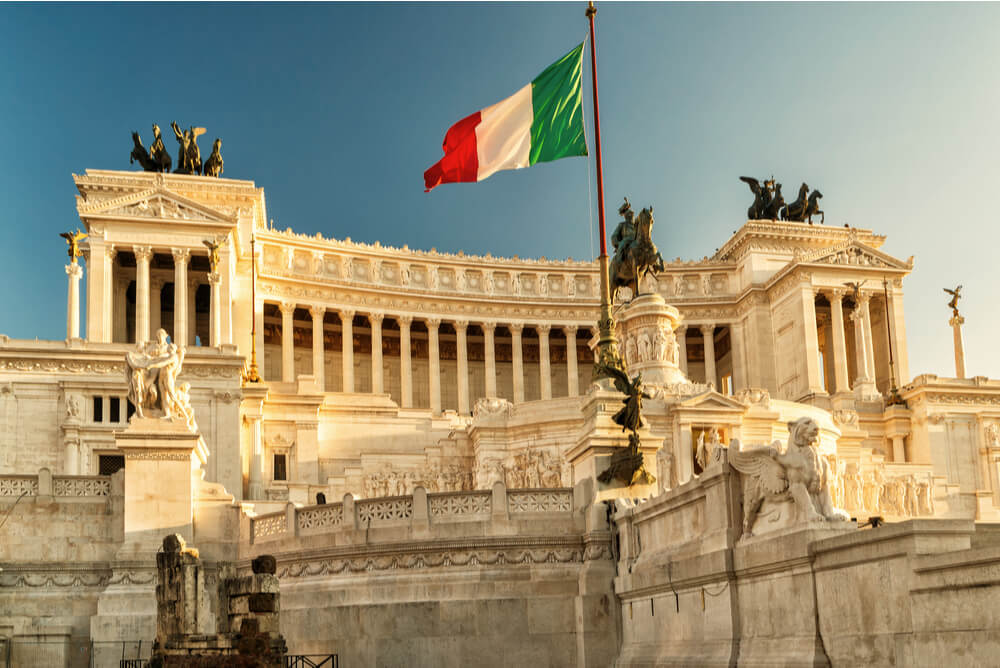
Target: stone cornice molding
(772,235)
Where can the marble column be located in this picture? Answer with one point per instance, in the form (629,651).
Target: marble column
(192,329)
(155,305)
(489,343)
(544,362)
(405,361)
(811,340)
(287,342)
(119,321)
(860,354)
(71,448)
(572,375)
(181,258)
(869,349)
(462,346)
(840,374)
(682,349)
(434,364)
(708,336)
(258,317)
(736,342)
(347,348)
(516,354)
(900,356)
(956,323)
(378,381)
(99,307)
(319,353)
(215,315)
(74,271)
(256,491)
(143,254)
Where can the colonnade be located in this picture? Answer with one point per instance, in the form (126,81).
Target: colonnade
(433,326)
(107,292)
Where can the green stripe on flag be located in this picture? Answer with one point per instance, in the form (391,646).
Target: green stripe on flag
(557,107)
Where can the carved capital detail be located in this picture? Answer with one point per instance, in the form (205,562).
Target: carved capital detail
(461,325)
(489,327)
(433,323)
(375,318)
(286,308)
(404,321)
(317,312)
(543,330)
(181,255)
(516,328)
(143,253)
(347,315)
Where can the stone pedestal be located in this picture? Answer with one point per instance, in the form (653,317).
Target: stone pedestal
(647,341)
(162,461)
(74,271)
(956,328)
(598,439)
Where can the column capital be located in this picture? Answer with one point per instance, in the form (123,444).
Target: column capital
(835,294)
(74,270)
(570,330)
(110,251)
(433,322)
(864,298)
(681,329)
(461,325)
(708,329)
(404,321)
(157,282)
(957,321)
(181,255)
(516,328)
(143,253)
(488,327)
(215,278)
(543,329)
(286,308)
(317,312)
(375,318)
(347,314)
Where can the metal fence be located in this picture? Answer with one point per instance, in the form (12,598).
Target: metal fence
(35,652)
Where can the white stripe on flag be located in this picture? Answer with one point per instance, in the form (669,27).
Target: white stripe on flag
(503,136)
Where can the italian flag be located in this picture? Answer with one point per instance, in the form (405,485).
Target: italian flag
(541,122)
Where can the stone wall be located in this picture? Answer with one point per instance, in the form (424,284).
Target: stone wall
(495,578)
(693,590)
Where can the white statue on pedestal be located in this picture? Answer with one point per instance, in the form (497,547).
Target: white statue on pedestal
(152,373)
(789,486)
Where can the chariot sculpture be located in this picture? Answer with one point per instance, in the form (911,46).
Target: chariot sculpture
(769,203)
(156,159)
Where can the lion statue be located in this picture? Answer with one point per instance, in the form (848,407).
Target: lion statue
(797,474)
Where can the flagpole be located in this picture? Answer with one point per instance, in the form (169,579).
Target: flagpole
(607,346)
(252,374)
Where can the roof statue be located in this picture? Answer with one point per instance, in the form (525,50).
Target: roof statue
(213,253)
(189,156)
(768,199)
(797,473)
(627,463)
(151,372)
(157,159)
(74,239)
(635,253)
(213,166)
(804,207)
(956,294)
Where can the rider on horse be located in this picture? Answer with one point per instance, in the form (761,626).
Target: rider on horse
(624,235)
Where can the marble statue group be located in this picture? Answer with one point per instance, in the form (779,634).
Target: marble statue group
(151,372)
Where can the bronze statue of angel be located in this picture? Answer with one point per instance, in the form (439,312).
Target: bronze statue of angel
(74,239)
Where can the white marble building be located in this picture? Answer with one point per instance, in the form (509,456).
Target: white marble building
(391,372)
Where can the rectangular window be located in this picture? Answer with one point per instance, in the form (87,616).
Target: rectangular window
(114,404)
(280,472)
(98,409)
(129,410)
(109,464)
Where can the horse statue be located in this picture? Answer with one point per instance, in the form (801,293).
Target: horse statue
(812,208)
(634,260)
(796,210)
(761,197)
(140,155)
(774,206)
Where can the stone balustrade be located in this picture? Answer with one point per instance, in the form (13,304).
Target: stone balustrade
(420,508)
(45,484)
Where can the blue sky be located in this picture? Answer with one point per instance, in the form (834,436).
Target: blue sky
(336,110)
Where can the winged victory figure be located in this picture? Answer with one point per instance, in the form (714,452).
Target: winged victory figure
(956,294)
(626,463)
(74,239)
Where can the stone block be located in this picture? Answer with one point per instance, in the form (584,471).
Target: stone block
(263,602)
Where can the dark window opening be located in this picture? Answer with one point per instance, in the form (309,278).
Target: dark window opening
(129,410)
(110,464)
(114,405)
(98,409)
(280,472)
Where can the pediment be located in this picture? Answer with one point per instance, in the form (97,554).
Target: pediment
(712,400)
(155,203)
(854,253)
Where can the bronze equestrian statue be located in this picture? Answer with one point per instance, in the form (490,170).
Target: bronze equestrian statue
(635,253)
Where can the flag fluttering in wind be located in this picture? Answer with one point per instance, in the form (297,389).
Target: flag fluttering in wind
(543,121)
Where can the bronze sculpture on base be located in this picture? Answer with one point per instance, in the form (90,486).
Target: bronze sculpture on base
(635,253)
(956,294)
(626,463)
(74,239)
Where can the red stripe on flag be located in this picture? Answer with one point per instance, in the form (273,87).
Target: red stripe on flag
(460,163)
